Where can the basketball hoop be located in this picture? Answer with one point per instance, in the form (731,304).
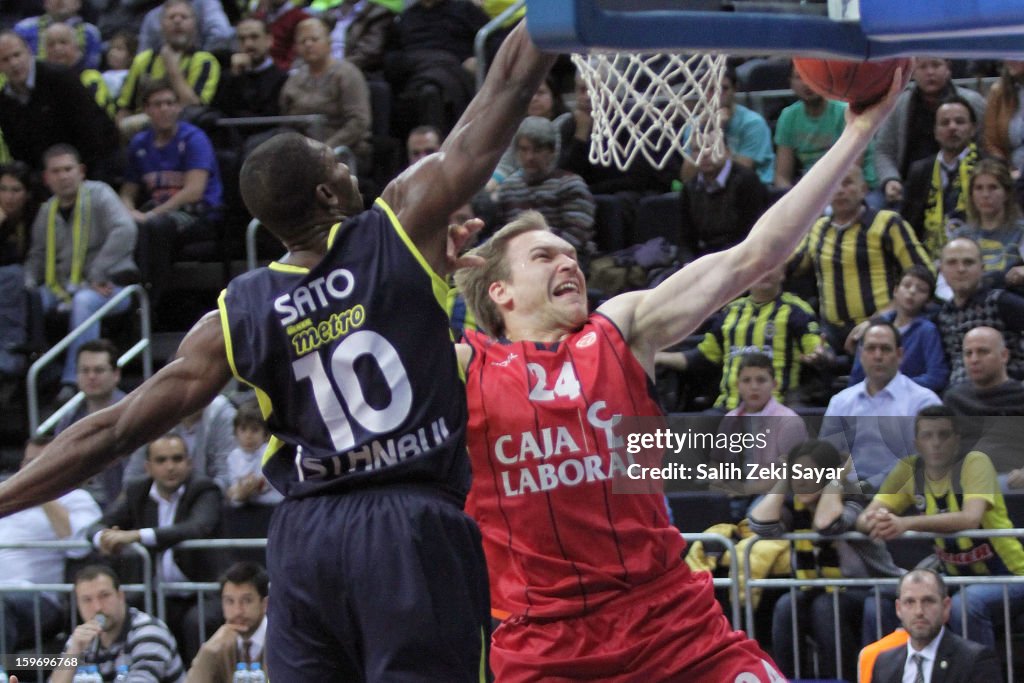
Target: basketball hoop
(654,105)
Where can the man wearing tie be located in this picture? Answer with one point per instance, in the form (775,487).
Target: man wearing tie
(933,654)
(243,596)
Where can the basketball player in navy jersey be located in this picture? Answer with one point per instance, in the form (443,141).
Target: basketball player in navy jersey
(376,573)
(594,582)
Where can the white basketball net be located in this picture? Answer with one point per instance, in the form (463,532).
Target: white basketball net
(657,105)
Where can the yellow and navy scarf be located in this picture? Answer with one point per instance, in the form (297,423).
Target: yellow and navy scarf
(79,243)
(935,214)
(813,559)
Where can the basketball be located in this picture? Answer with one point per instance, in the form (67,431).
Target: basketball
(859,83)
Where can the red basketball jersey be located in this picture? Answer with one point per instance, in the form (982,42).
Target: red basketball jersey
(544,449)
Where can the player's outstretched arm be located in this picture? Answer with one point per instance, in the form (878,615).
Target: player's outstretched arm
(654,319)
(428,192)
(186,384)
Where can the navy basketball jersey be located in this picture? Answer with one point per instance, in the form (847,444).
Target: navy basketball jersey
(353,364)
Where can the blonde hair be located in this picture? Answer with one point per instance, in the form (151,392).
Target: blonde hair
(474,283)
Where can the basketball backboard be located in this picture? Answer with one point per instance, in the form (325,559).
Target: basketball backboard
(856,29)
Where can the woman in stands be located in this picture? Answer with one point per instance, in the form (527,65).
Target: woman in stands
(829,505)
(1004,116)
(994,222)
(18,205)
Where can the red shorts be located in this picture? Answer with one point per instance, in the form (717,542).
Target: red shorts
(668,630)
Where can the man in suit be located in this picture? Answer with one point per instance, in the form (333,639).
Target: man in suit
(933,654)
(938,186)
(171,505)
(242,638)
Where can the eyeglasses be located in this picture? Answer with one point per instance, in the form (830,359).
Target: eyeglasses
(175,458)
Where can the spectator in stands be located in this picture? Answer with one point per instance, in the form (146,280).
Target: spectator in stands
(837,248)
(83,241)
(128,636)
(172,185)
(252,86)
(42,105)
(17,208)
(97,376)
(991,396)
(829,507)
(955,493)
(209,437)
(18,204)
(121,49)
(626,189)
(172,505)
(720,204)
(924,359)
(63,519)
(242,638)
(336,89)
(547,103)
(422,141)
(932,653)
(87,36)
(758,413)
(1004,116)
(869,420)
(360,32)
(213,29)
(975,304)
(245,462)
(62,48)
(938,186)
(282,17)
(192,74)
(907,135)
(994,222)
(804,132)
(562,197)
(778,324)
(430,64)
(746,133)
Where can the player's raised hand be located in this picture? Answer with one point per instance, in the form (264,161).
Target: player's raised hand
(872,117)
(459,238)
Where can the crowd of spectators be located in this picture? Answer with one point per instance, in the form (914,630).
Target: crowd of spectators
(903,301)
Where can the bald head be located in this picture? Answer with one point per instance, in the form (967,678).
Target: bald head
(962,266)
(61,45)
(985,357)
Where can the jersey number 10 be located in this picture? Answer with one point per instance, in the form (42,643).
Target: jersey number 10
(329,403)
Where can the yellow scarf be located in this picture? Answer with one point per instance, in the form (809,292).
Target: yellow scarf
(935,233)
(79,244)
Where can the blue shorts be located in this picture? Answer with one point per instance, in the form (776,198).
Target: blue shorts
(386,584)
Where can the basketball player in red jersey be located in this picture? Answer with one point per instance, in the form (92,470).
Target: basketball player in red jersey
(594,582)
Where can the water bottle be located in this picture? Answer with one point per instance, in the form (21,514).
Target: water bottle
(241,674)
(94,674)
(256,673)
(122,674)
(81,675)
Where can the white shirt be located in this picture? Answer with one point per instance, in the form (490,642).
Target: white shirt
(853,426)
(23,566)
(165,511)
(256,641)
(930,652)
(242,463)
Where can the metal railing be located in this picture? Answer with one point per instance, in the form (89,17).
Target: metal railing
(37,589)
(732,583)
(315,124)
(480,42)
(143,347)
(876,583)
